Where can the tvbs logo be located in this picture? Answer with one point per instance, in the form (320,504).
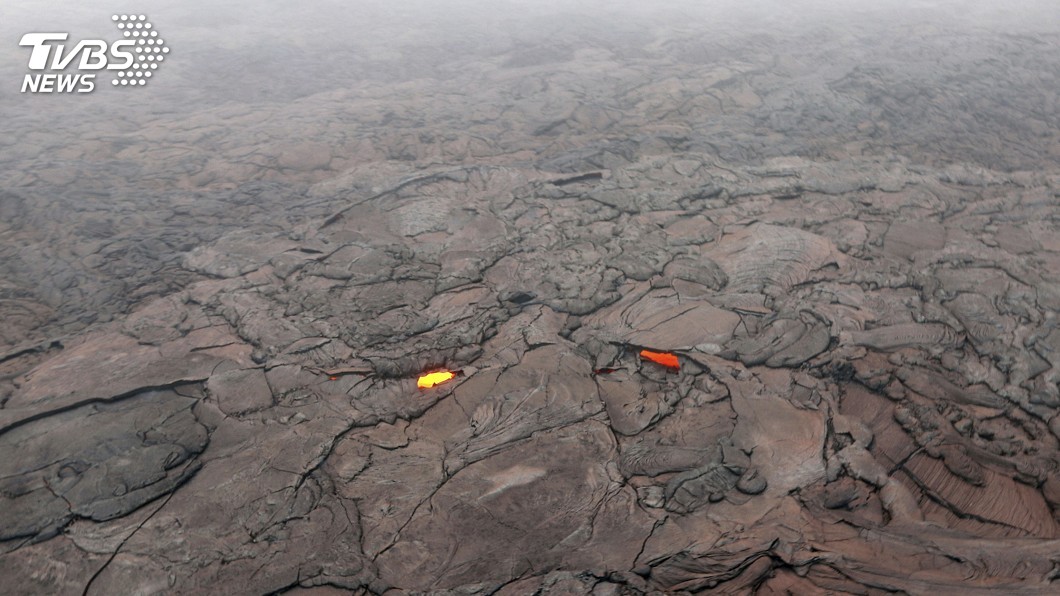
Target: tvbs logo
(135,58)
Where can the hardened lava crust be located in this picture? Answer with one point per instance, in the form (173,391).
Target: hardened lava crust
(742,313)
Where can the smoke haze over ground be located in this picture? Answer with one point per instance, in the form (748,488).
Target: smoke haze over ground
(218,291)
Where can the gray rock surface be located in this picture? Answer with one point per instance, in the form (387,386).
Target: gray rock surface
(843,224)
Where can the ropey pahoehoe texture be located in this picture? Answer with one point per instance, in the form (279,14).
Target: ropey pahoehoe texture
(864,317)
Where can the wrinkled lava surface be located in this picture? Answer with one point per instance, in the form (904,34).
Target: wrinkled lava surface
(844,227)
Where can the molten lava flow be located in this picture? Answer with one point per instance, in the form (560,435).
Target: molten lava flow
(663,358)
(435,378)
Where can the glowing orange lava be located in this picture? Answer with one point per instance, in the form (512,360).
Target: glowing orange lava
(435,378)
(663,358)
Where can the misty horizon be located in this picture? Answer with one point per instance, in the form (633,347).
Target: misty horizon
(530,297)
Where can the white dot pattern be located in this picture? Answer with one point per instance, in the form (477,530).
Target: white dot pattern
(149,48)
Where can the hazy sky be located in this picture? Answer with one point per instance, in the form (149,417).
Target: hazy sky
(378,25)
(275,50)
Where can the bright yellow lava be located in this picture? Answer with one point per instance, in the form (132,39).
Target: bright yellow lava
(435,378)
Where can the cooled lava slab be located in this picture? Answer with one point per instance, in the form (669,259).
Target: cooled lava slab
(726,326)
